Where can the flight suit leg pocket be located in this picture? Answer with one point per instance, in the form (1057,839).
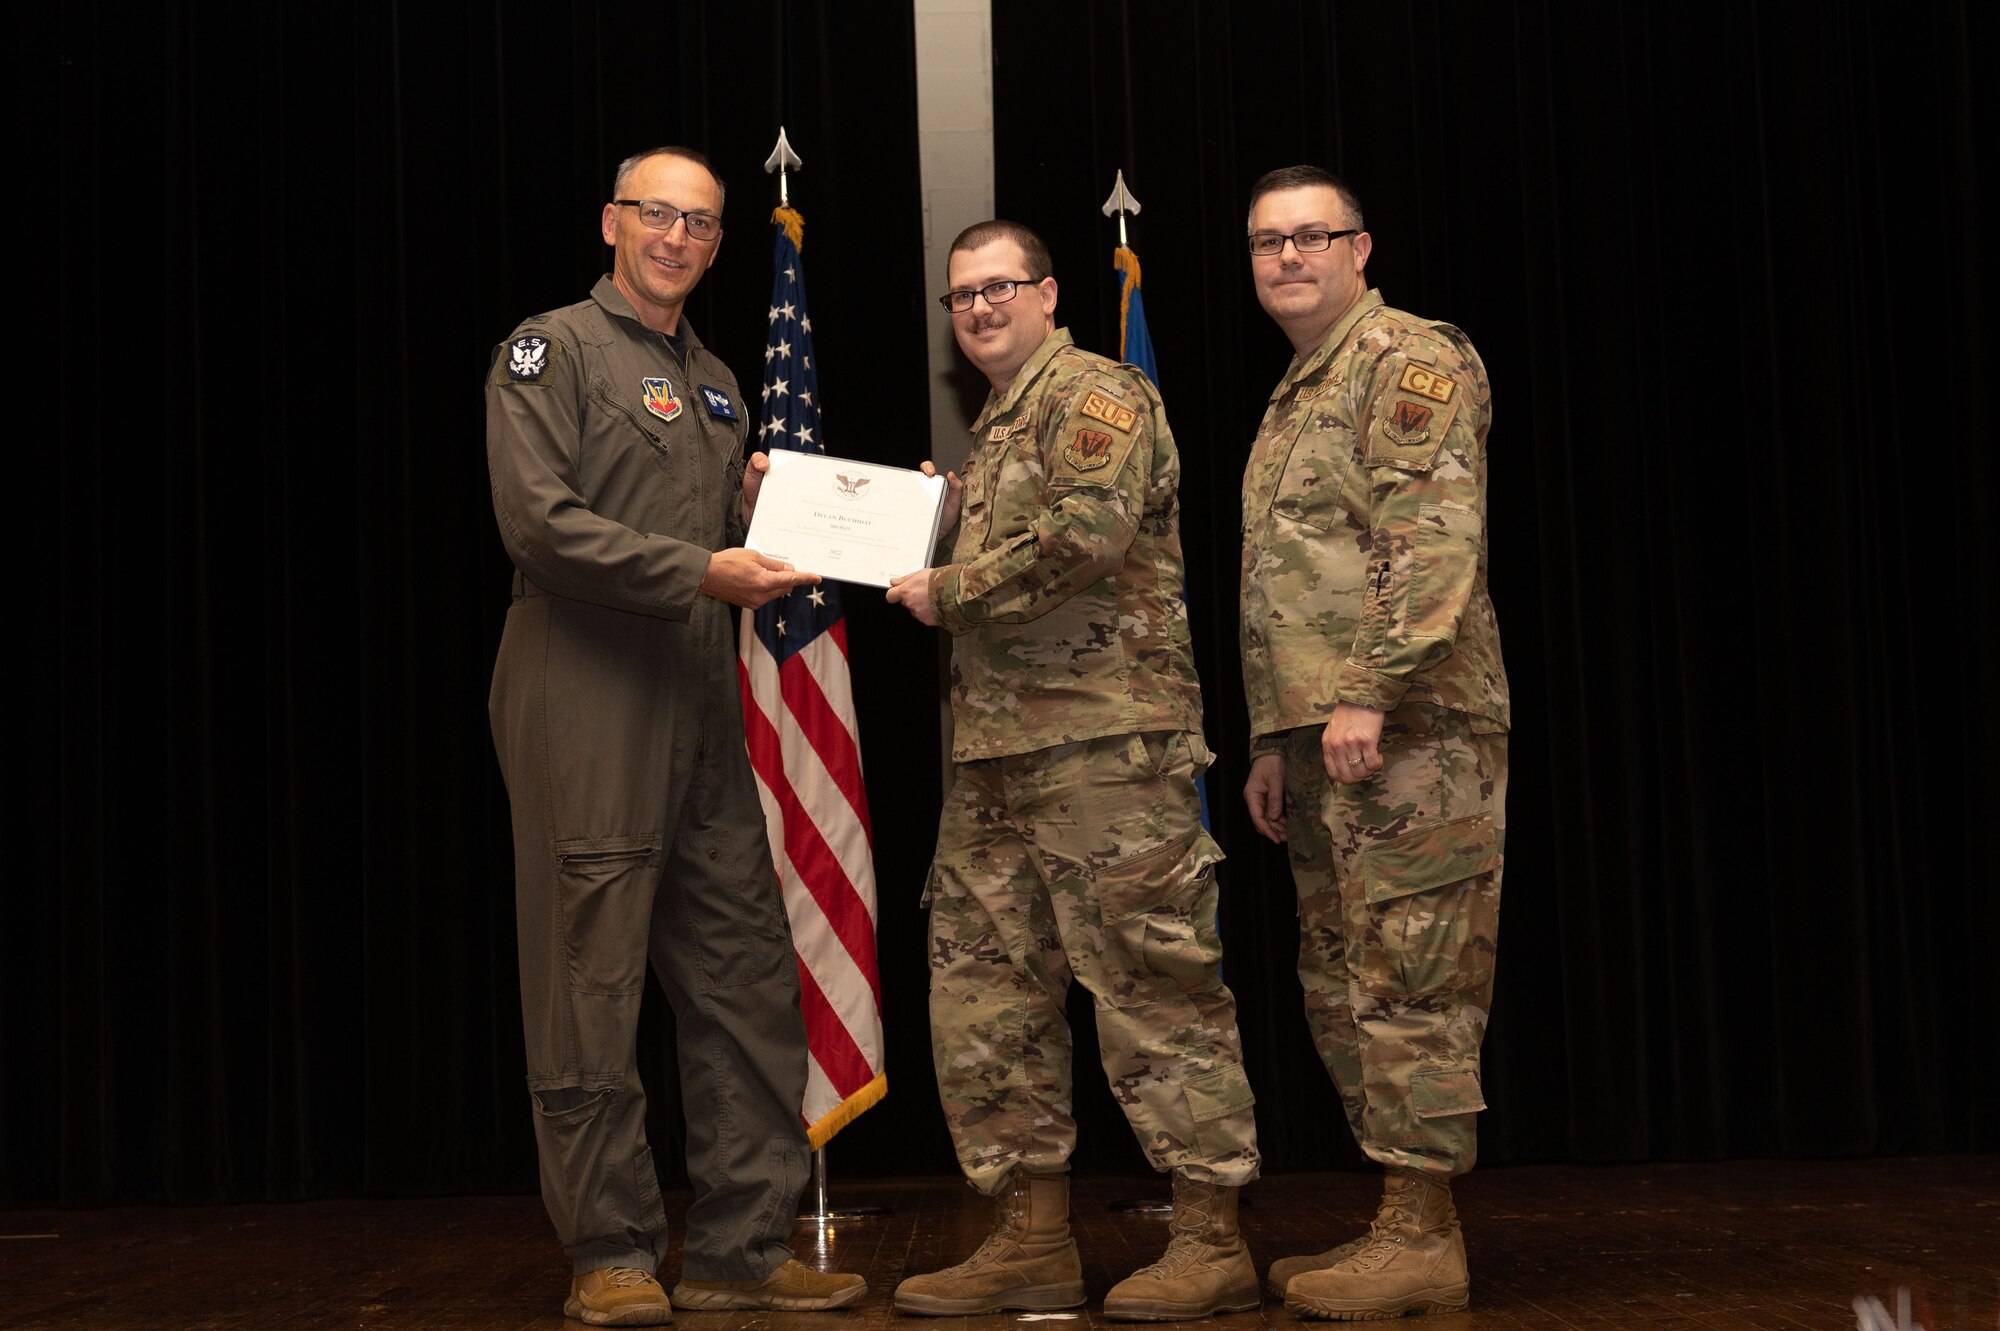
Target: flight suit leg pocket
(1433,903)
(606,889)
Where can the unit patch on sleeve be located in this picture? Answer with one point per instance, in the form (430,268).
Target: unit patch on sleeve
(1090,450)
(1101,408)
(1409,424)
(528,359)
(660,399)
(718,402)
(1426,382)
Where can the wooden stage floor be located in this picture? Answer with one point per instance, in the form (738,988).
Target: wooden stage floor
(1759,1244)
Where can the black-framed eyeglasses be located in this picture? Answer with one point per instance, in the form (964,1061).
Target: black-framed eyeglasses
(1310,241)
(660,215)
(996,293)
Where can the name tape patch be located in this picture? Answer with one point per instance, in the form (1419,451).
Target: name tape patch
(718,403)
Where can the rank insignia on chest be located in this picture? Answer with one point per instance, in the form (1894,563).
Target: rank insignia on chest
(1090,450)
(718,402)
(527,359)
(1101,408)
(1428,383)
(660,399)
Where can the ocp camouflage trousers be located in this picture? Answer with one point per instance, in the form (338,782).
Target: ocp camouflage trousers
(1399,910)
(1085,860)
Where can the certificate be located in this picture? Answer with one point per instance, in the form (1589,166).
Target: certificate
(855,521)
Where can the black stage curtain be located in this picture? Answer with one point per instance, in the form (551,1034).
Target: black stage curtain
(1724,265)
(1725,269)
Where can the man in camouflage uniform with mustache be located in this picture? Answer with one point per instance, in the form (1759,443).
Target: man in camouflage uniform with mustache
(1378,713)
(1071,842)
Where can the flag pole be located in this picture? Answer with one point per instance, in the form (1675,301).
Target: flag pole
(783,161)
(1121,205)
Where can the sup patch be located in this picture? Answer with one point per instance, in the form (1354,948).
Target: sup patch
(1101,408)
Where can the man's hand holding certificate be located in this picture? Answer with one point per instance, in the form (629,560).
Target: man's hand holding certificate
(855,521)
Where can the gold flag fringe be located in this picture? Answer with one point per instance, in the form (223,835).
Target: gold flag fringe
(844,1113)
(1125,261)
(795,226)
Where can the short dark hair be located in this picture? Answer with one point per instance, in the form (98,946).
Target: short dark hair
(985,233)
(630,164)
(1302,177)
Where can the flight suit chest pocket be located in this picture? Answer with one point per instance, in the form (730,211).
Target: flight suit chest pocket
(626,451)
(1312,488)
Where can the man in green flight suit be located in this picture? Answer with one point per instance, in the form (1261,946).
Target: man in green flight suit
(614,442)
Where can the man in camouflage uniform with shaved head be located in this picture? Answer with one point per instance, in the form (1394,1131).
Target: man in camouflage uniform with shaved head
(1071,842)
(1378,713)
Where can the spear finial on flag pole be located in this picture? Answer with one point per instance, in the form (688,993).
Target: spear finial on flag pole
(783,160)
(1120,203)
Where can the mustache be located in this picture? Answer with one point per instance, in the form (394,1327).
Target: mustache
(982,322)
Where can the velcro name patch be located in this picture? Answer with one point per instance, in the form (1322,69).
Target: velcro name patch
(1101,408)
(1427,383)
(718,402)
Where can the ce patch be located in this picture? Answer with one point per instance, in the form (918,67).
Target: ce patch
(1428,383)
(528,358)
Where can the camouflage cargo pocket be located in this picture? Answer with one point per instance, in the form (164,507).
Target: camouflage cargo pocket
(1158,910)
(1215,1100)
(1443,1094)
(1433,902)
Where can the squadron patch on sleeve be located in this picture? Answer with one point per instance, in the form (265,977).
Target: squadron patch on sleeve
(1090,450)
(528,359)
(660,399)
(1409,424)
(1426,382)
(1101,408)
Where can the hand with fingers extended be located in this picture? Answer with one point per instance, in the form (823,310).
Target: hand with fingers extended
(749,579)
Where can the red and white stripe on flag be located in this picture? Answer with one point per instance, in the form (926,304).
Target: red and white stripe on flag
(798,724)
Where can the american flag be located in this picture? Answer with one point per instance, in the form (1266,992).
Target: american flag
(798,721)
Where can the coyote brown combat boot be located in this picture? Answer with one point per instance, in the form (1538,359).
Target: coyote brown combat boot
(1413,1261)
(1028,1261)
(1285,1268)
(1205,1269)
(618,1296)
